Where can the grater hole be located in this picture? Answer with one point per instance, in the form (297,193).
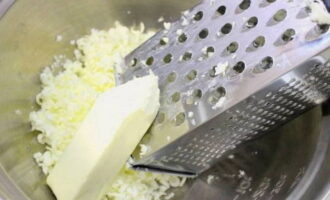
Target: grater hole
(164,41)
(150,61)
(280,15)
(239,67)
(191,75)
(251,23)
(175,97)
(182,38)
(264,65)
(270,1)
(226,28)
(160,117)
(171,77)
(323,28)
(288,35)
(194,97)
(245,4)
(168,58)
(203,34)
(221,10)
(232,47)
(213,71)
(180,118)
(198,16)
(259,42)
(208,51)
(267,62)
(133,62)
(219,93)
(186,56)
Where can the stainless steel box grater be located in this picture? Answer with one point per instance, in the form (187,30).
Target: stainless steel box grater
(230,71)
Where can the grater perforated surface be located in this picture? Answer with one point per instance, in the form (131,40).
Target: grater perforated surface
(229,71)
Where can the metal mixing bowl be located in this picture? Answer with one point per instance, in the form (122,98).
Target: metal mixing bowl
(290,163)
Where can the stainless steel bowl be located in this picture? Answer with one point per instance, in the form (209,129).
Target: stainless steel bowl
(290,163)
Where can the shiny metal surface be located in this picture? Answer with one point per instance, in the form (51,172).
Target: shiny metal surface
(251,172)
(27,41)
(266,82)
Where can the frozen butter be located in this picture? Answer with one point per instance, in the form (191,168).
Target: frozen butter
(105,140)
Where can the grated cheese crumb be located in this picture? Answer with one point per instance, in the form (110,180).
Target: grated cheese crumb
(144,149)
(221,68)
(167,25)
(59,38)
(18,112)
(210,179)
(169,196)
(161,19)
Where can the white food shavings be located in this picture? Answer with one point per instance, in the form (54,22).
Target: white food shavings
(168,138)
(142,186)
(231,156)
(241,173)
(179,31)
(70,88)
(190,114)
(72,42)
(193,122)
(165,40)
(18,112)
(160,19)
(184,21)
(210,54)
(183,181)
(59,38)
(120,66)
(210,179)
(219,103)
(318,12)
(206,52)
(221,68)
(167,25)
(144,149)
(185,13)
(169,196)
(189,92)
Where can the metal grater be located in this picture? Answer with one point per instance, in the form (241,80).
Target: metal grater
(229,71)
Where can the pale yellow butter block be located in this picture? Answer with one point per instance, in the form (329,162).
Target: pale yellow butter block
(105,140)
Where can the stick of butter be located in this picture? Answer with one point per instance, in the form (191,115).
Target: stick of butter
(104,142)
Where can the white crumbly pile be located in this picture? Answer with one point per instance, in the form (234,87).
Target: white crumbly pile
(69,89)
(319,12)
